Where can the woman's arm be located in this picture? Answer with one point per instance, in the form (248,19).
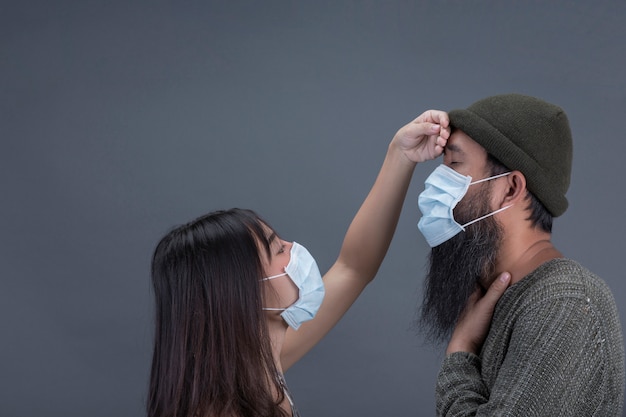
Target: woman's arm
(370,233)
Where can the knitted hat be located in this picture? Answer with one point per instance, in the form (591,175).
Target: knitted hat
(525,134)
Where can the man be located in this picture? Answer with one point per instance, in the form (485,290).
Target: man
(554,345)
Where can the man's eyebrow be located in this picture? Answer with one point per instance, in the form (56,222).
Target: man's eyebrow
(271,238)
(453,148)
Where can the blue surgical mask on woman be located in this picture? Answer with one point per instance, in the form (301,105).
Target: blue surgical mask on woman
(444,188)
(303,271)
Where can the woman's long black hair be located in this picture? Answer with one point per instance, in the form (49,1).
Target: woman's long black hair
(212,354)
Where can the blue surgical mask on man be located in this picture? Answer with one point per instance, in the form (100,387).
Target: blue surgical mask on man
(444,188)
(303,271)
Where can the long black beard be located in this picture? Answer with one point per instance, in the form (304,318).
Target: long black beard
(457,267)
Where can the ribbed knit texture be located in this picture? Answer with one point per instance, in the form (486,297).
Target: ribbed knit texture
(555,348)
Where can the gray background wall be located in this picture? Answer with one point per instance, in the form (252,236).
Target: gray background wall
(119,120)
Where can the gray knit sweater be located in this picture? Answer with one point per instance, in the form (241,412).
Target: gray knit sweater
(555,348)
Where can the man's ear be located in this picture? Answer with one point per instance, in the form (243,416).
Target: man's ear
(515,190)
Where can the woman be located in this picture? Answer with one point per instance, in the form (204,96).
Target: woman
(236,305)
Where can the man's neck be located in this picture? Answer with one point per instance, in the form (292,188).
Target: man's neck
(520,255)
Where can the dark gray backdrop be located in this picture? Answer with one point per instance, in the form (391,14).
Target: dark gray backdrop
(119,120)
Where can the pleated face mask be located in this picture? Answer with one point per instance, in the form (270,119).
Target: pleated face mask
(303,271)
(444,188)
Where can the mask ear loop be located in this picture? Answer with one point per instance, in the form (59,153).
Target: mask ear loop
(273,276)
(491,178)
(495,212)
(267,279)
(485,216)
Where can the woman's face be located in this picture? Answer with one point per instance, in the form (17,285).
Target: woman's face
(279,292)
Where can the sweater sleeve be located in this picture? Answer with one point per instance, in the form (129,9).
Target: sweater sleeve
(459,385)
(554,366)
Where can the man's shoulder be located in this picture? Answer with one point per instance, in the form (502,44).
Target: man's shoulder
(564,276)
(559,280)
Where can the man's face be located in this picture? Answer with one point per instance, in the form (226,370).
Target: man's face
(459,265)
(466,157)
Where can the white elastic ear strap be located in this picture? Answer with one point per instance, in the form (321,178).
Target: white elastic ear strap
(274,276)
(485,216)
(490,178)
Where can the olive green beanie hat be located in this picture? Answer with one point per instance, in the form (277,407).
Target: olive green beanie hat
(525,134)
